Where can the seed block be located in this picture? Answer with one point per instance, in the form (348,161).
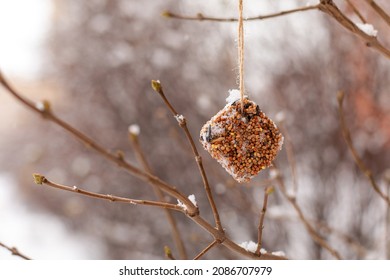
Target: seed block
(243,143)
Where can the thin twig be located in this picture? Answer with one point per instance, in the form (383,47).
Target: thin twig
(330,8)
(45,111)
(326,6)
(134,139)
(157,87)
(382,13)
(290,154)
(42,180)
(14,251)
(205,250)
(356,11)
(201,17)
(310,229)
(348,139)
(267,192)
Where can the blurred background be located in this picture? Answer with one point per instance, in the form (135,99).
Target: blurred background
(94,61)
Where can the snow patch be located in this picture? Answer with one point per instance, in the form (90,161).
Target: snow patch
(40,106)
(234,95)
(250,246)
(217,130)
(134,129)
(368,29)
(279,253)
(179,118)
(181,204)
(192,198)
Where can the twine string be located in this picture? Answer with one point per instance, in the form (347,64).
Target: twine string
(241,53)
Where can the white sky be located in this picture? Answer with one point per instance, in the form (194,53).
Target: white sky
(40,235)
(23,25)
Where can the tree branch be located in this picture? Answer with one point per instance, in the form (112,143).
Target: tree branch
(348,139)
(326,6)
(382,13)
(157,87)
(267,192)
(14,251)
(330,8)
(356,11)
(205,250)
(42,180)
(201,17)
(220,237)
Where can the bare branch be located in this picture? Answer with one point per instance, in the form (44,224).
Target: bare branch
(134,139)
(42,180)
(205,250)
(326,6)
(330,8)
(267,192)
(348,139)
(14,251)
(157,87)
(201,17)
(356,11)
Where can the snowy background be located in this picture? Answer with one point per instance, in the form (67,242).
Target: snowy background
(94,61)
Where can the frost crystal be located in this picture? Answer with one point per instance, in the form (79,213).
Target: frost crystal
(134,129)
(192,199)
(263,251)
(368,29)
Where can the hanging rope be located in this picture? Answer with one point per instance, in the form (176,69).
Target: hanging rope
(241,52)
